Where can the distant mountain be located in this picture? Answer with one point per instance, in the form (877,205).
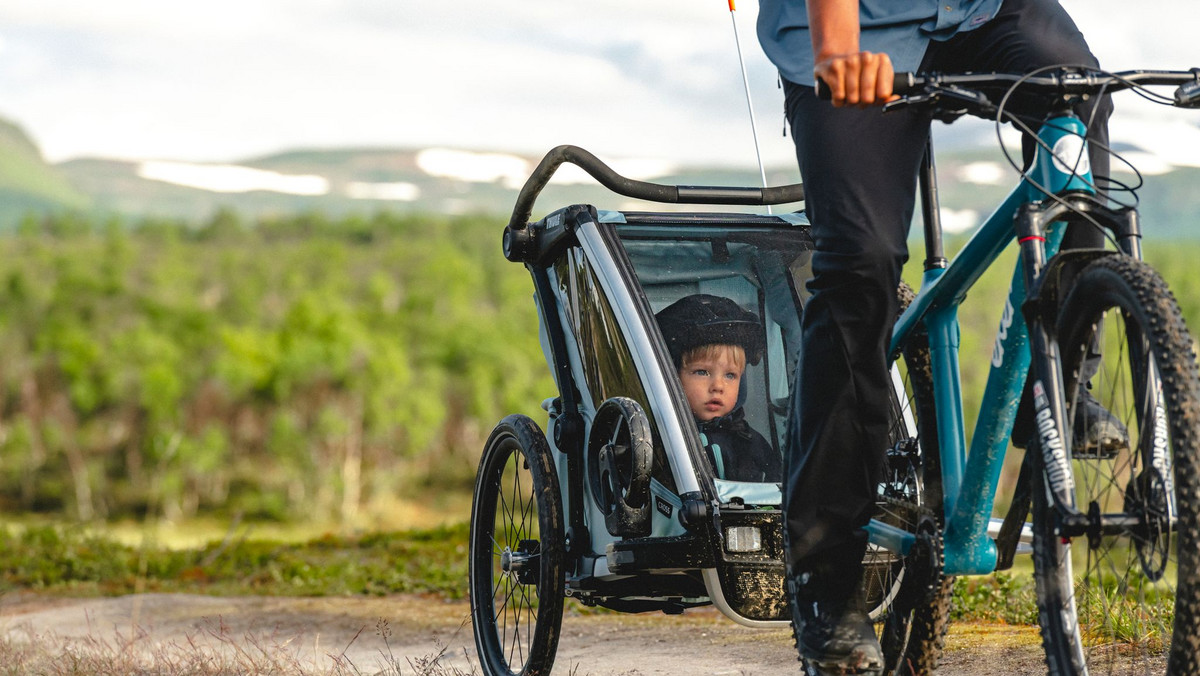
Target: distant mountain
(444,180)
(27,183)
(340,181)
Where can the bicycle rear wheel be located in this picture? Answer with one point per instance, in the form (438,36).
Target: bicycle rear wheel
(1124,601)
(516,552)
(908,598)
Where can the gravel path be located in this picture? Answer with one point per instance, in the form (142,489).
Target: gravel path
(423,635)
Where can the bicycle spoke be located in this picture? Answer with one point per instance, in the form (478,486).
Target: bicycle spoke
(528,519)
(1125,585)
(503,509)
(516,499)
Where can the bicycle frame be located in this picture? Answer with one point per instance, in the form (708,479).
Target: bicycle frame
(970,479)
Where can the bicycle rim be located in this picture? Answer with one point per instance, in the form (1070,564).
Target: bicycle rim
(1108,603)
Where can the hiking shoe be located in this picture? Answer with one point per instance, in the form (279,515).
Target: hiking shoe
(1096,433)
(833,638)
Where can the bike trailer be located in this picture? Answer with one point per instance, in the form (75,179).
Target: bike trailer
(617,504)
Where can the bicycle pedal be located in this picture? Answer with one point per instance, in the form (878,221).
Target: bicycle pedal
(1106,449)
(1098,434)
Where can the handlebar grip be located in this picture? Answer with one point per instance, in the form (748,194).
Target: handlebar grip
(903,83)
(906,83)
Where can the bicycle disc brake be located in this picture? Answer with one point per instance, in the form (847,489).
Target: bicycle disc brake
(1147,496)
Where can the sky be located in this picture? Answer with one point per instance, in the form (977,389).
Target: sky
(228,80)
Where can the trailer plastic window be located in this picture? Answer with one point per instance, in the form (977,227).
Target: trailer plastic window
(761,270)
(608,365)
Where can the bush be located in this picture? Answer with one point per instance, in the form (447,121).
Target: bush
(298,367)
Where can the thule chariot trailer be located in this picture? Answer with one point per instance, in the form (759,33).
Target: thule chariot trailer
(613,498)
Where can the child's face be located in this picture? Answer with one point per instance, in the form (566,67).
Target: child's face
(711,381)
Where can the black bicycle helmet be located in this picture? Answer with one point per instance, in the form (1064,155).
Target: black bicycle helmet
(701,319)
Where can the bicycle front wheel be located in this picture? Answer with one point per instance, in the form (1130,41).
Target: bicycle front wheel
(1123,597)
(516,552)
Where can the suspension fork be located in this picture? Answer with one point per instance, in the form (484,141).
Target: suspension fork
(1050,395)
(1048,391)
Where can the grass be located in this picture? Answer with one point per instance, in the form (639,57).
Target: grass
(1113,613)
(73,561)
(77,562)
(1000,598)
(225,654)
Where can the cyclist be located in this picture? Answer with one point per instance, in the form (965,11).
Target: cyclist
(859,169)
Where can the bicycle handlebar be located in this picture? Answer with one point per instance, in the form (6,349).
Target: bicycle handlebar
(1065,81)
(654,192)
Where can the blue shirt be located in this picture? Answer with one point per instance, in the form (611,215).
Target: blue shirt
(901,29)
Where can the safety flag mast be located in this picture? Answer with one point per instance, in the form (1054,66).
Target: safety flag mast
(762,170)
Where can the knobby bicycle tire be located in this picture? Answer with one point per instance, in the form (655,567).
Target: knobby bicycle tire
(1113,615)
(516,576)
(912,625)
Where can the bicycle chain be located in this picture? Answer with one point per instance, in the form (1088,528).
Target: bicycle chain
(908,505)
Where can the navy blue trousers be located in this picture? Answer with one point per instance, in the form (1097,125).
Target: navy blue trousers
(859,168)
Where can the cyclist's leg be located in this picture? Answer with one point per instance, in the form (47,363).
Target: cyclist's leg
(859,169)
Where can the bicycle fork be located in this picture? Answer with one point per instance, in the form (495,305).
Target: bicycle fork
(1053,435)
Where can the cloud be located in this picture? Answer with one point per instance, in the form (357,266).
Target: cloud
(1152,34)
(228,79)
(224,80)
(1172,140)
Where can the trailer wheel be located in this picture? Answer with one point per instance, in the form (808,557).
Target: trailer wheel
(516,552)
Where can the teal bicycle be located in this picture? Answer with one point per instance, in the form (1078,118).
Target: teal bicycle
(1116,559)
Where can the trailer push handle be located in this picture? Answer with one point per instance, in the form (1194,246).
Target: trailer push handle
(642,190)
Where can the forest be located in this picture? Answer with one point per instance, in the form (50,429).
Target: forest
(292,369)
(287,369)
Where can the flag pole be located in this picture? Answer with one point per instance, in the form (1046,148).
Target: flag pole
(762,171)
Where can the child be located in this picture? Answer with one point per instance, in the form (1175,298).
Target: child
(710,339)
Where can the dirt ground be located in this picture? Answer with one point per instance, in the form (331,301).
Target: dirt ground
(418,635)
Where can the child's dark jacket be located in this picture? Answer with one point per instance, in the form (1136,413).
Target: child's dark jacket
(738,452)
